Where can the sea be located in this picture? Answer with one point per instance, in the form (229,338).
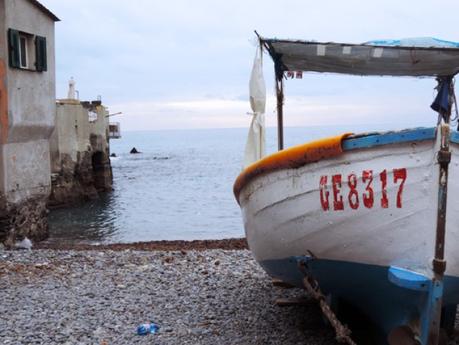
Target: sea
(178,188)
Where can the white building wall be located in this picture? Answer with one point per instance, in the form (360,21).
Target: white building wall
(28,175)
(31,107)
(27,113)
(71,134)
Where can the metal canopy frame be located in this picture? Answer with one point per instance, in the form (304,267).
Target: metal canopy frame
(329,66)
(432,316)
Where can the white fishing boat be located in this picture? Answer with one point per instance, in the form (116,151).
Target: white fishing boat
(367,219)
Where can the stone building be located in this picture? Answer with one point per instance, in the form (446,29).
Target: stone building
(27,111)
(114,130)
(80,162)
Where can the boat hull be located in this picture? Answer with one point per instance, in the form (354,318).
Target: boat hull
(353,218)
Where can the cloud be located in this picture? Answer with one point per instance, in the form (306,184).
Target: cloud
(345,110)
(187,63)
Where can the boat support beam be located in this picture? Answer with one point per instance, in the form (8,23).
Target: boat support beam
(439,262)
(343,333)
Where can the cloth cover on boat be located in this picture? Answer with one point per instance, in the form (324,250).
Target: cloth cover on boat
(408,57)
(441,103)
(255,146)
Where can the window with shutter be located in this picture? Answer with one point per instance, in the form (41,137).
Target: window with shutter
(13,48)
(23,51)
(41,63)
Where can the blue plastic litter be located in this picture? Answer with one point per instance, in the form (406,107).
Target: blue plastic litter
(147,328)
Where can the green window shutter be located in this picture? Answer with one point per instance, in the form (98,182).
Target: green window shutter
(13,48)
(41,63)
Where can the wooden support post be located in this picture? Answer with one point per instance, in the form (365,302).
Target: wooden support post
(439,262)
(280,109)
(282,284)
(293,302)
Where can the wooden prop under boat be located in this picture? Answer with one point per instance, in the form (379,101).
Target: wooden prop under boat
(365,216)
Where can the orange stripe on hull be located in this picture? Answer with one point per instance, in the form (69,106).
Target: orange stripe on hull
(291,158)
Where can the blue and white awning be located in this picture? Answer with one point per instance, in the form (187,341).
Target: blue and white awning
(417,57)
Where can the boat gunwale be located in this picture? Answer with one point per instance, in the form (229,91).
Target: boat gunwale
(348,142)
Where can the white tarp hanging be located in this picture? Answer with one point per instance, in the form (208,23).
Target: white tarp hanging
(255,146)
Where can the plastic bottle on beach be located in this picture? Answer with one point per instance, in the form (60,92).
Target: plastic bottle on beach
(147,328)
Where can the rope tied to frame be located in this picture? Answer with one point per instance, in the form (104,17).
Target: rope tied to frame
(454,102)
(343,333)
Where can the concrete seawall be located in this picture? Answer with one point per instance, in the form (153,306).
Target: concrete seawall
(80,162)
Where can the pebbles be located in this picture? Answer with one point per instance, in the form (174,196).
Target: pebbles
(99,297)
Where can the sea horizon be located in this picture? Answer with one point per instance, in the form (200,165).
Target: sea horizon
(378,126)
(178,188)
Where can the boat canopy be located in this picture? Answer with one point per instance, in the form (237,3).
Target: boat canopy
(420,57)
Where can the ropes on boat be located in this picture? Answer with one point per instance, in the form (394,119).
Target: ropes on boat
(343,333)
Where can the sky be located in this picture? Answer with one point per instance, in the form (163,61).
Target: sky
(182,64)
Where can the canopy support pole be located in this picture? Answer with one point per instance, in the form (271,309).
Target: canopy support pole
(439,262)
(431,318)
(280,108)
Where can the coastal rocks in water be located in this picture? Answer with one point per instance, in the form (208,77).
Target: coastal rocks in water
(27,219)
(74,183)
(134,151)
(81,180)
(113,154)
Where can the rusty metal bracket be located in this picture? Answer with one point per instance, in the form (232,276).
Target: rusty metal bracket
(444,157)
(439,266)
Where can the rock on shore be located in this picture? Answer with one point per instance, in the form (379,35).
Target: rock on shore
(100,296)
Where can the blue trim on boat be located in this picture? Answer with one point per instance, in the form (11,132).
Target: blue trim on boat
(377,139)
(419,282)
(388,302)
(408,279)
(454,137)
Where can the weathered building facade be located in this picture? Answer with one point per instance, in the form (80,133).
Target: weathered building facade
(80,162)
(27,112)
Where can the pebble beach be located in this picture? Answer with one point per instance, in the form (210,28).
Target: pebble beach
(205,296)
(196,296)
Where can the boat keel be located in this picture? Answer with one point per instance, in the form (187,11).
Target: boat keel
(400,302)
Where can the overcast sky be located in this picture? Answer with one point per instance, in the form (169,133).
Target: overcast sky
(186,64)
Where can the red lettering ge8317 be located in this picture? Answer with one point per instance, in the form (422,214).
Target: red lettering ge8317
(360,190)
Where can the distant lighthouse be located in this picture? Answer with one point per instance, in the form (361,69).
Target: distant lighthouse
(71,93)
